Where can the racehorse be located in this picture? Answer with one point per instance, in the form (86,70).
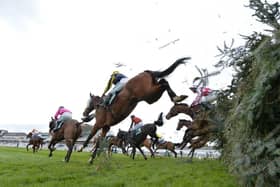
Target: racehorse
(147,86)
(136,141)
(180,108)
(183,123)
(70,132)
(202,129)
(36,141)
(114,140)
(168,146)
(148,143)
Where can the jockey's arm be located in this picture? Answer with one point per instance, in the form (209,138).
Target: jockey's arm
(108,86)
(56,114)
(131,125)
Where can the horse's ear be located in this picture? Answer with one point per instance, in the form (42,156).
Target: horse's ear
(90,94)
(52,118)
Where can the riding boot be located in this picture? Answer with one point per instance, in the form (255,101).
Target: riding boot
(206,105)
(180,98)
(112,98)
(57,126)
(106,100)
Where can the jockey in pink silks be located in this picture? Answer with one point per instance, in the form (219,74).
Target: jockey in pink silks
(62,114)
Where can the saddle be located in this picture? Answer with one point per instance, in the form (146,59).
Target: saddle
(37,136)
(135,133)
(58,126)
(109,99)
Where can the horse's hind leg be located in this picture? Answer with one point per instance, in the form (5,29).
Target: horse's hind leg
(69,143)
(152,153)
(139,148)
(172,95)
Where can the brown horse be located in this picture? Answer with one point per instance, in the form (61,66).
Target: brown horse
(110,142)
(183,123)
(70,132)
(167,145)
(36,142)
(199,126)
(180,108)
(114,140)
(147,86)
(201,129)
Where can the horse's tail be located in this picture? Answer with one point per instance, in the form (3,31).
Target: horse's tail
(159,121)
(170,69)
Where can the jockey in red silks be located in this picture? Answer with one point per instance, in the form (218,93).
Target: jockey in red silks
(204,95)
(62,114)
(136,123)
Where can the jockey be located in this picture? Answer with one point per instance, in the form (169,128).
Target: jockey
(119,80)
(160,138)
(36,133)
(136,123)
(204,96)
(62,114)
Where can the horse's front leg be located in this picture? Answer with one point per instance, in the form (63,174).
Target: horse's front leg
(94,153)
(27,146)
(133,152)
(191,153)
(51,147)
(123,149)
(152,153)
(92,133)
(110,149)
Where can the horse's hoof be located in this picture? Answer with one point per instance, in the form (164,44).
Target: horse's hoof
(90,161)
(179,98)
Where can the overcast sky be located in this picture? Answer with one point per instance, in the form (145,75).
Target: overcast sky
(55,52)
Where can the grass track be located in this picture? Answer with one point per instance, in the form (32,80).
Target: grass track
(21,168)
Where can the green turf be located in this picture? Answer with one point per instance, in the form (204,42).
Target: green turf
(21,168)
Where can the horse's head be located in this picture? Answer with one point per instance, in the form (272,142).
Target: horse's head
(92,104)
(183,122)
(51,124)
(29,135)
(173,111)
(178,108)
(122,134)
